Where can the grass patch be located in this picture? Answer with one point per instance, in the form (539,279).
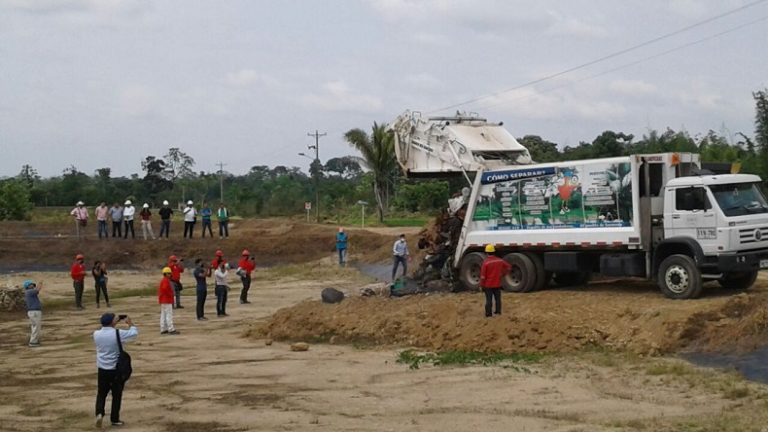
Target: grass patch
(407,222)
(314,271)
(414,360)
(669,368)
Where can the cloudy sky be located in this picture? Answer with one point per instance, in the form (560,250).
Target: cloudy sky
(104,83)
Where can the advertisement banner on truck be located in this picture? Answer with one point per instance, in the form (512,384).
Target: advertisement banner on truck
(586,195)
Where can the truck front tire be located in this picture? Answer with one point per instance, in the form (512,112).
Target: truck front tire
(738,280)
(469,273)
(679,278)
(522,277)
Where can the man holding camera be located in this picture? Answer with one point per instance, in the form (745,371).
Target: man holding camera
(107,354)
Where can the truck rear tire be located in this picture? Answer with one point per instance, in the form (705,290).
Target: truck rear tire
(738,280)
(469,272)
(522,277)
(570,279)
(541,276)
(679,278)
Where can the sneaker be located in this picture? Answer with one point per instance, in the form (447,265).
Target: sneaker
(164,332)
(202,319)
(118,423)
(244,302)
(34,344)
(99,420)
(179,307)
(174,332)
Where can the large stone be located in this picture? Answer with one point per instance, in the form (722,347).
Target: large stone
(12,299)
(331,295)
(300,346)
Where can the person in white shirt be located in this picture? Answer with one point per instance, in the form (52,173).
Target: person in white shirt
(400,254)
(222,288)
(190,217)
(129,211)
(107,353)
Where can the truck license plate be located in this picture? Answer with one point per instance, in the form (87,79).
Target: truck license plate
(763,263)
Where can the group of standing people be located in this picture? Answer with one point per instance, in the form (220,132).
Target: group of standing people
(169,291)
(78,274)
(122,218)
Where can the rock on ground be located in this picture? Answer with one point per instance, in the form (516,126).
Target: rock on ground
(331,295)
(12,299)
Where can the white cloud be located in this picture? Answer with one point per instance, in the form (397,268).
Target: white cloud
(529,103)
(632,87)
(574,27)
(337,96)
(137,100)
(424,81)
(247,77)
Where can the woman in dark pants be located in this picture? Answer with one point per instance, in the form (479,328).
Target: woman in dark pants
(201,272)
(99,273)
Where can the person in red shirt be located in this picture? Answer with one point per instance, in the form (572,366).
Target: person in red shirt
(246,265)
(491,272)
(78,280)
(218,260)
(165,298)
(177,268)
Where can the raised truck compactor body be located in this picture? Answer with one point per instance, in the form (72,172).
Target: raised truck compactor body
(458,145)
(647,216)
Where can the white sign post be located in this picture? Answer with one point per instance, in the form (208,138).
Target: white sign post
(308,208)
(362,205)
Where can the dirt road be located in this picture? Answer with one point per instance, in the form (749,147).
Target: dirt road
(210,378)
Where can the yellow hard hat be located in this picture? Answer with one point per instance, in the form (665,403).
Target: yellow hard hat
(167,270)
(489,248)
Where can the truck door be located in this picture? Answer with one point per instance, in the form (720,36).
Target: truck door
(692,216)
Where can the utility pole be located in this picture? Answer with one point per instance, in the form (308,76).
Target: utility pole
(317,136)
(221,181)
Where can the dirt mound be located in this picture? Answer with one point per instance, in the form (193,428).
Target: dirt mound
(633,316)
(38,246)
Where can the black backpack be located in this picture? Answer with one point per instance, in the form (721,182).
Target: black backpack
(124,369)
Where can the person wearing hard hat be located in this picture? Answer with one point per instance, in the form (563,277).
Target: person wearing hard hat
(491,272)
(80,213)
(190,217)
(246,265)
(34,310)
(116,214)
(77,272)
(146,222)
(129,211)
(341,246)
(177,268)
(165,219)
(219,258)
(165,298)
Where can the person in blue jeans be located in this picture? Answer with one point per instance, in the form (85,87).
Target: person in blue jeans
(341,246)
(400,256)
(205,214)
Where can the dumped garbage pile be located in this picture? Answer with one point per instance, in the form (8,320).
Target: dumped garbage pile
(12,299)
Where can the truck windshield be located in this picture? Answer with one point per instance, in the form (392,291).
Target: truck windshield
(739,199)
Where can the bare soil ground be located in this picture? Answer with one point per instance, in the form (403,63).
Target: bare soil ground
(220,375)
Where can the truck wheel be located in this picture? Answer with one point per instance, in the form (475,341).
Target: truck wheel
(679,278)
(738,280)
(570,279)
(469,273)
(541,275)
(522,277)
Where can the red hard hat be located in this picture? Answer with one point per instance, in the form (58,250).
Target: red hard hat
(79,257)
(172,258)
(219,253)
(245,252)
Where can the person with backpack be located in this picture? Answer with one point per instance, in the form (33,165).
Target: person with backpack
(99,273)
(109,342)
(177,268)
(491,272)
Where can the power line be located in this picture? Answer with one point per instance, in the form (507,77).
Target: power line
(316,163)
(634,63)
(603,58)
(221,180)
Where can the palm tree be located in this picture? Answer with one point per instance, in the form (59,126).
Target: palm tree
(378,155)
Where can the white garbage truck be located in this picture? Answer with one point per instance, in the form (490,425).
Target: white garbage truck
(653,216)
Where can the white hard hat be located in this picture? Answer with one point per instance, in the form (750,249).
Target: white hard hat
(80,203)
(145,205)
(189,202)
(127,202)
(165,202)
